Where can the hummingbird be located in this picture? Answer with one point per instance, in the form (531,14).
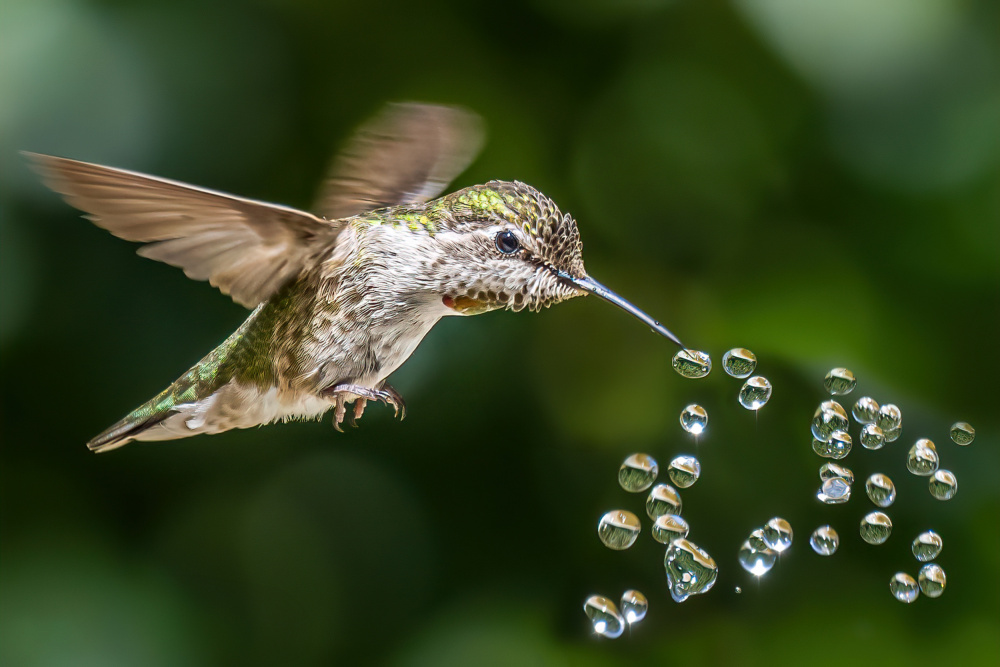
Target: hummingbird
(341,297)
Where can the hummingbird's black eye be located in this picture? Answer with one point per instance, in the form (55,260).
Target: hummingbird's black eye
(506,242)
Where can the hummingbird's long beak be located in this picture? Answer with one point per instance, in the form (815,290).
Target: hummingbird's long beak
(590,285)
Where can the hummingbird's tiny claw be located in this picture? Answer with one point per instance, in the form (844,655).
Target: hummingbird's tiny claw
(397,402)
(339,412)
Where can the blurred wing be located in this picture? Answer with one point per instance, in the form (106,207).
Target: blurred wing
(405,155)
(248,249)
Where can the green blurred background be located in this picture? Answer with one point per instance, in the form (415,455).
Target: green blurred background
(817,181)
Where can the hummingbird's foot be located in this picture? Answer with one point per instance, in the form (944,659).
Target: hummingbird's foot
(339,411)
(386,395)
(359,409)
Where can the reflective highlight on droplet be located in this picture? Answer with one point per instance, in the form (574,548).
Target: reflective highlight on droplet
(840,381)
(690,570)
(684,471)
(962,433)
(880,490)
(669,527)
(824,541)
(922,458)
(932,580)
(692,363)
(739,362)
(604,616)
(663,499)
(865,409)
(638,472)
(618,529)
(755,393)
(634,606)
(903,587)
(927,546)
(872,437)
(778,534)
(876,528)
(943,484)
(755,560)
(694,419)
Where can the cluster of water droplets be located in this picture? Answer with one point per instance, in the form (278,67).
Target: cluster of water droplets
(760,550)
(738,362)
(608,620)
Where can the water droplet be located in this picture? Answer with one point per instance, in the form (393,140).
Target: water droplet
(755,560)
(835,491)
(669,527)
(829,418)
(881,490)
(962,433)
(840,381)
(778,534)
(892,435)
(932,580)
(923,458)
(694,419)
(634,606)
(604,616)
(755,393)
(737,590)
(690,570)
(739,362)
(618,529)
(943,484)
(829,470)
(872,437)
(876,527)
(927,546)
(692,363)
(663,499)
(824,541)
(638,472)
(865,410)
(839,445)
(684,471)
(903,587)
(888,418)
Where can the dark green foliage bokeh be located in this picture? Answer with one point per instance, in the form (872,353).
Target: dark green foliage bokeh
(819,182)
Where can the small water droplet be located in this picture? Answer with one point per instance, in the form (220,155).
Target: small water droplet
(903,587)
(962,433)
(604,616)
(692,363)
(739,362)
(927,546)
(618,529)
(932,580)
(829,418)
(835,491)
(737,590)
(922,459)
(694,419)
(778,534)
(872,437)
(634,606)
(755,560)
(881,490)
(876,527)
(838,446)
(888,418)
(755,393)
(830,470)
(943,484)
(840,381)
(892,435)
(638,472)
(865,410)
(669,527)
(824,541)
(684,471)
(690,570)
(663,499)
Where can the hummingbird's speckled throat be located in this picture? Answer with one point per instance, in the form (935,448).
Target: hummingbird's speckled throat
(340,298)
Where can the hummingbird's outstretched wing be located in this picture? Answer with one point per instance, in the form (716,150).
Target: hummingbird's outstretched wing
(248,249)
(405,155)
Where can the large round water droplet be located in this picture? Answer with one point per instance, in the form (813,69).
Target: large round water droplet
(962,433)
(865,410)
(932,580)
(903,587)
(922,459)
(692,363)
(604,616)
(888,418)
(824,541)
(876,527)
(694,419)
(943,484)
(690,570)
(778,534)
(739,362)
(835,491)
(881,490)
(669,527)
(830,470)
(634,606)
(663,499)
(638,472)
(829,418)
(618,529)
(872,437)
(684,471)
(840,381)
(755,393)
(756,561)
(927,546)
